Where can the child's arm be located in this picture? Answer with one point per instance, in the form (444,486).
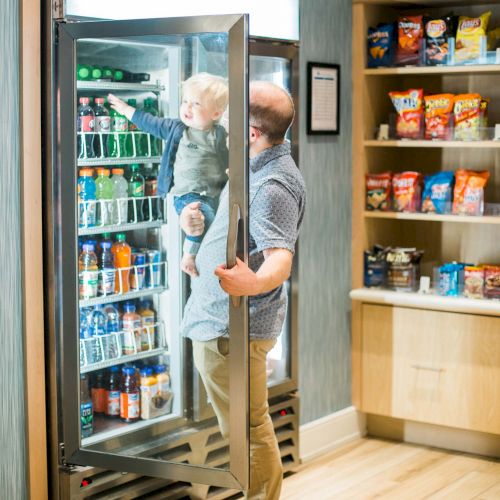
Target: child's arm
(159,127)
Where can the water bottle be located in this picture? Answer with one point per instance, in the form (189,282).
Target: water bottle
(111,348)
(120,195)
(98,329)
(107,269)
(86,351)
(88,272)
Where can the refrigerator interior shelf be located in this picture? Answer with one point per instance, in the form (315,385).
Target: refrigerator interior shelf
(119,428)
(119,227)
(117,297)
(103,162)
(104,85)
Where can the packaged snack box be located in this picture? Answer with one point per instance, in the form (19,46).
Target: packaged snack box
(473,282)
(492,282)
(403,269)
(468,195)
(409,107)
(468,122)
(449,279)
(380,45)
(378,191)
(437,32)
(375,269)
(470,31)
(438,193)
(438,112)
(407,191)
(410,35)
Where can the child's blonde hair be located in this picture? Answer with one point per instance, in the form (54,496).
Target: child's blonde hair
(211,87)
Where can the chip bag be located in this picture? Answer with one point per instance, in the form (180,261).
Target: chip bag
(409,106)
(378,191)
(438,192)
(474,282)
(492,282)
(407,189)
(380,45)
(468,195)
(438,112)
(470,33)
(468,120)
(410,35)
(437,32)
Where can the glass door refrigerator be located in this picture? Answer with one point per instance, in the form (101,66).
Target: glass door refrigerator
(121,401)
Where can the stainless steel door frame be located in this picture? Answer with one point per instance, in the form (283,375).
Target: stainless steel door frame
(287,50)
(65,286)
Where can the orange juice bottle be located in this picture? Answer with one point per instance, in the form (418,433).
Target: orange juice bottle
(122,254)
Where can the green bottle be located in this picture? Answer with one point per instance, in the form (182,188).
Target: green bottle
(135,190)
(104,192)
(117,142)
(96,73)
(83,72)
(149,107)
(118,75)
(131,137)
(107,73)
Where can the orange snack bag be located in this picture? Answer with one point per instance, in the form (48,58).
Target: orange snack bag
(467,111)
(409,106)
(410,35)
(407,188)
(438,110)
(468,195)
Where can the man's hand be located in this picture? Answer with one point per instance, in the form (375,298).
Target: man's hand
(121,106)
(192,220)
(238,281)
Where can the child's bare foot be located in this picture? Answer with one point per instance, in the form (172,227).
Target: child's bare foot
(188,265)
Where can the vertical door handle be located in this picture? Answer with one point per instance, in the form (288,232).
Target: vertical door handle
(232,243)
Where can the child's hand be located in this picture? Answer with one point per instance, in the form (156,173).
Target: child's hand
(122,107)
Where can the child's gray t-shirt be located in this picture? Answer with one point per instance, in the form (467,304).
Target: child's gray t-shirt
(197,167)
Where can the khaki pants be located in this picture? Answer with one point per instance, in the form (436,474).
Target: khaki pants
(212,361)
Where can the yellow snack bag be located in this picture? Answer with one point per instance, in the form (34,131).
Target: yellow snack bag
(469,34)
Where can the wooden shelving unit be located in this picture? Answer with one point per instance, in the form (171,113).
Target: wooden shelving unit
(391,320)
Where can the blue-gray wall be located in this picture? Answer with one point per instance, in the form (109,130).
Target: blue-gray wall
(325,240)
(12,432)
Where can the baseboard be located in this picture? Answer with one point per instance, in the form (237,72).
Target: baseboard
(332,431)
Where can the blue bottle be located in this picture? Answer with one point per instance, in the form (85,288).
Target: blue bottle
(86,198)
(111,344)
(98,329)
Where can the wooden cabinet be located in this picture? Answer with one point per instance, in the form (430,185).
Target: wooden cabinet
(431,366)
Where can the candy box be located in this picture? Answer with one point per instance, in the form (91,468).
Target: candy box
(378,191)
(438,192)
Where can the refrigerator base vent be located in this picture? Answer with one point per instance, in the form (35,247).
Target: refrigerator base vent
(98,484)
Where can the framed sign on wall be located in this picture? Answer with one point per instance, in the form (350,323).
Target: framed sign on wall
(323,95)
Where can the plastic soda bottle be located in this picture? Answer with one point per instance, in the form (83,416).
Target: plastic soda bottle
(122,254)
(152,208)
(117,146)
(104,195)
(88,275)
(106,282)
(98,392)
(107,73)
(148,107)
(113,393)
(131,136)
(83,72)
(85,128)
(96,73)
(117,75)
(86,198)
(130,399)
(86,408)
(148,337)
(120,195)
(132,329)
(135,190)
(149,389)
(102,128)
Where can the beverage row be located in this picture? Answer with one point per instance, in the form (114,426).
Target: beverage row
(112,331)
(116,267)
(105,133)
(87,72)
(129,393)
(105,200)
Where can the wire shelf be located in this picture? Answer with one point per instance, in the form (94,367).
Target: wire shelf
(105,85)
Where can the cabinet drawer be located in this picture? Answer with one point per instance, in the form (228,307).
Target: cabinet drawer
(430,366)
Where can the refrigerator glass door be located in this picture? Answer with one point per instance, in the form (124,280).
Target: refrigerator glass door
(125,379)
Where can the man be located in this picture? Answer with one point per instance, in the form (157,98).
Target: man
(277,201)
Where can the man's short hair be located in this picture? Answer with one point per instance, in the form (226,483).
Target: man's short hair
(273,121)
(212,88)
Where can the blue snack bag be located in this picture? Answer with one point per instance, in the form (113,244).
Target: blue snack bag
(380,45)
(438,193)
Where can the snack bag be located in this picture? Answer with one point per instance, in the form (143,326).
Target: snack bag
(470,32)
(467,111)
(409,106)
(483,117)
(438,191)
(492,282)
(403,269)
(438,110)
(407,190)
(473,282)
(410,35)
(468,195)
(380,45)
(437,32)
(378,191)
(375,269)
(450,276)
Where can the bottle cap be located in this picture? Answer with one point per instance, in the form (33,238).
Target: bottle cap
(88,247)
(132,102)
(86,172)
(106,236)
(117,171)
(147,371)
(145,303)
(102,171)
(120,237)
(114,369)
(134,166)
(129,307)
(128,370)
(160,368)
(99,100)
(106,244)
(84,100)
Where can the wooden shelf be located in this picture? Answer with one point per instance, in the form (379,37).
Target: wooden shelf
(466,219)
(472,69)
(431,144)
(427,301)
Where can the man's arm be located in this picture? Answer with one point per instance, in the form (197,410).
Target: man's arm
(241,280)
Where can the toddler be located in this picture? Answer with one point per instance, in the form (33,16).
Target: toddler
(195,156)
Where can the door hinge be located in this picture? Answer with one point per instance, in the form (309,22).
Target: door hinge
(57,9)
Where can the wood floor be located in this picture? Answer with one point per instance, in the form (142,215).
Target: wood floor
(375,468)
